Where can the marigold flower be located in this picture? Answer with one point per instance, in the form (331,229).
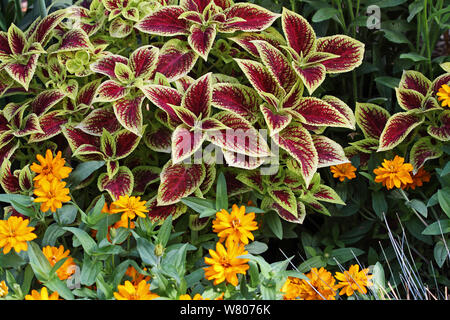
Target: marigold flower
(3,289)
(444,95)
(49,167)
(320,286)
(51,194)
(54,254)
(394,173)
(130,206)
(224,264)
(353,280)
(235,226)
(140,291)
(43,295)
(14,233)
(343,170)
(135,276)
(419,178)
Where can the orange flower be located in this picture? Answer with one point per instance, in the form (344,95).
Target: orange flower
(43,295)
(353,280)
(50,168)
(51,194)
(344,170)
(54,255)
(444,95)
(140,291)
(130,206)
(188,297)
(394,173)
(3,289)
(419,178)
(135,276)
(235,226)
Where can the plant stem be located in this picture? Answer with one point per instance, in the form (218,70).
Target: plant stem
(427,38)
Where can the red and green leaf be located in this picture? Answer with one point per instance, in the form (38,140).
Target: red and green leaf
(312,76)
(198,96)
(247,17)
(128,112)
(252,179)
(16,40)
(164,21)
(269,203)
(409,99)
(298,32)
(284,197)
(107,64)
(350,53)
(46,100)
(185,143)
(74,40)
(9,181)
(120,184)
(414,80)
(442,132)
(327,194)
(243,161)
(371,118)
(329,152)
(23,73)
(143,61)
(158,213)
(158,139)
(397,128)
(179,181)
(276,121)
(164,98)
(110,91)
(343,108)
(201,41)
(46,25)
(423,150)
(143,177)
(98,119)
(270,35)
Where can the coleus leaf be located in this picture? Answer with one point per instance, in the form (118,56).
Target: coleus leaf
(76,138)
(98,119)
(143,61)
(409,99)
(210,177)
(8,149)
(107,64)
(438,82)
(414,80)
(243,161)
(179,181)
(143,177)
(236,98)
(241,137)
(74,40)
(16,40)
(269,203)
(276,121)
(277,64)
(128,112)
(298,32)
(343,108)
(176,59)
(51,125)
(423,150)
(158,139)
(159,213)
(123,73)
(201,39)
(316,112)
(30,126)
(442,132)
(120,28)
(247,17)
(185,142)
(298,142)
(312,76)
(371,118)
(349,50)
(119,185)
(397,128)
(46,100)
(328,151)
(164,98)
(270,35)
(46,25)
(327,194)
(9,181)
(367,145)
(23,73)
(87,92)
(198,96)
(284,197)
(110,91)
(252,179)
(164,21)
(126,141)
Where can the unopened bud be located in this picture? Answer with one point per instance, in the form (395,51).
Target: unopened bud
(159,250)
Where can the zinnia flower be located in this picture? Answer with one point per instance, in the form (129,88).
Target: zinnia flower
(140,291)
(419,178)
(353,280)
(50,167)
(444,95)
(135,276)
(343,170)
(394,173)
(14,233)
(51,194)
(235,226)
(54,254)
(130,206)
(43,295)
(320,286)
(198,296)
(3,289)
(224,264)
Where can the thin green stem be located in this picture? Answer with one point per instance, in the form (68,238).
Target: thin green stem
(427,38)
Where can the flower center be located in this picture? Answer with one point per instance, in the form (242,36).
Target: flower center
(236,223)
(224,262)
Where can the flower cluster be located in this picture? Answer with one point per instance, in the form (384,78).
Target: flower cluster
(49,187)
(321,285)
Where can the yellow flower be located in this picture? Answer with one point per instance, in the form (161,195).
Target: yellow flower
(3,289)
(188,297)
(320,286)
(418,179)
(51,194)
(444,95)
(50,167)
(54,254)
(394,173)
(43,295)
(235,226)
(344,170)
(14,233)
(140,291)
(224,264)
(353,280)
(130,206)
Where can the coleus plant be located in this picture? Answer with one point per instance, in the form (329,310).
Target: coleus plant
(123,83)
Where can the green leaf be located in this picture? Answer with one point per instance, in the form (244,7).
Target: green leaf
(146,251)
(221,193)
(314,262)
(389,3)
(256,247)
(389,82)
(205,207)
(379,203)
(41,266)
(342,255)
(446,170)
(395,36)
(413,56)
(86,241)
(27,278)
(23,209)
(11,260)
(441,252)
(444,200)
(104,287)
(83,171)
(419,206)
(90,270)
(23,200)
(437,228)
(324,14)
(67,214)
(59,286)
(164,231)
(274,223)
